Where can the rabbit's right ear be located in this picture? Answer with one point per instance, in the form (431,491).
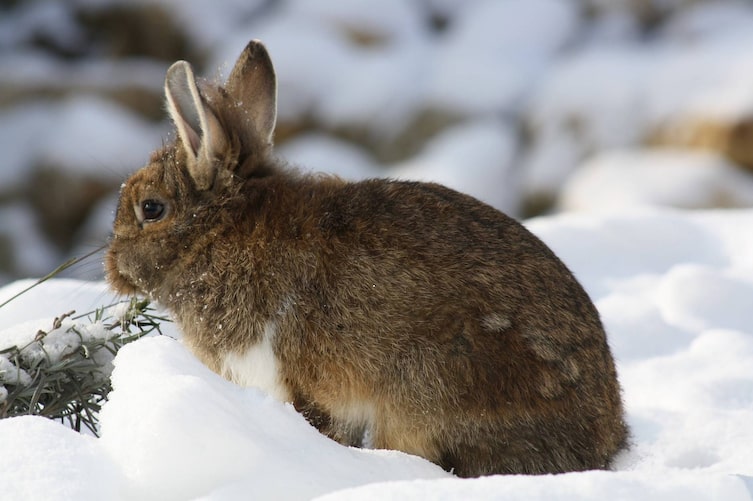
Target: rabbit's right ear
(199,130)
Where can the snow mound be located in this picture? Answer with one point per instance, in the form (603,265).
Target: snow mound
(41,304)
(321,153)
(195,434)
(675,178)
(63,134)
(474,157)
(593,485)
(43,460)
(674,290)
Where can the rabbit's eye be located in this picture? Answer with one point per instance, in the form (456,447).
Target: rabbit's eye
(152,210)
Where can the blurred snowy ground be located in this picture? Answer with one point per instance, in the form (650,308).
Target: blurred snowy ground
(534,106)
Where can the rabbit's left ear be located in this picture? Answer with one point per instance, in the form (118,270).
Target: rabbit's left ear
(253,85)
(199,130)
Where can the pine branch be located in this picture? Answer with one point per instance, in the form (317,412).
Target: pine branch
(73,386)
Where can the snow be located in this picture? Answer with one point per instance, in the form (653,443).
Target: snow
(389,19)
(43,460)
(11,374)
(47,340)
(380,87)
(708,20)
(31,250)
(48,17)
(43,303)
(474,157)
(35,69)
(674,290)
(298,60)
(56,344)
(510,43)
(674,178)
(584,486)
(123,140)
(614,96)
(63,135)
(548,97)
(322,153)
(231,440)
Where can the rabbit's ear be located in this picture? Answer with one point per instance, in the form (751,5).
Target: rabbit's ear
(199,130)
(253,84)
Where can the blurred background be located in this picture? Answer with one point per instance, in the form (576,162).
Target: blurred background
(534,106)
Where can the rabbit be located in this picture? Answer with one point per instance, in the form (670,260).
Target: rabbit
(391,314)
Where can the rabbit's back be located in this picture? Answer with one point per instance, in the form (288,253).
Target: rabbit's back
(430,321)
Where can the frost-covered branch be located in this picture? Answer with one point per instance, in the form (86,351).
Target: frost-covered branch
(64,373)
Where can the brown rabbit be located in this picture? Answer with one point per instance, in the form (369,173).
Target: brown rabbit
(400,315)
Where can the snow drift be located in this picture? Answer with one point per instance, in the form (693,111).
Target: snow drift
(674,290)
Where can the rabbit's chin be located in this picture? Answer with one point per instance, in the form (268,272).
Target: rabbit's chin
(119,282)
(121,285)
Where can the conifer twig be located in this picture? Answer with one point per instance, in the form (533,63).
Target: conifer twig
(72,387)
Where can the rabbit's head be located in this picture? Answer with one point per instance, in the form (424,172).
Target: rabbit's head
(224,136)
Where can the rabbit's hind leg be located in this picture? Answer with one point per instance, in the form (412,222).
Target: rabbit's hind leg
(350,432)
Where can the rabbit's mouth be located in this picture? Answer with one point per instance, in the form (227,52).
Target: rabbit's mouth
(130,278)
(120,282)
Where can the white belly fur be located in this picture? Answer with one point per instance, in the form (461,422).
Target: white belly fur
(258,366)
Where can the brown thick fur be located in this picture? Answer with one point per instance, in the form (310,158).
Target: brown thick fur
(405,312)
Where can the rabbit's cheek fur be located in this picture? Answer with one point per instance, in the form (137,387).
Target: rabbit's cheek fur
(128,273)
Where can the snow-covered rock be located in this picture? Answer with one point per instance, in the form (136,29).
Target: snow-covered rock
(669,177)
(630,94)
(475,158)
(320,153)
(494,51)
